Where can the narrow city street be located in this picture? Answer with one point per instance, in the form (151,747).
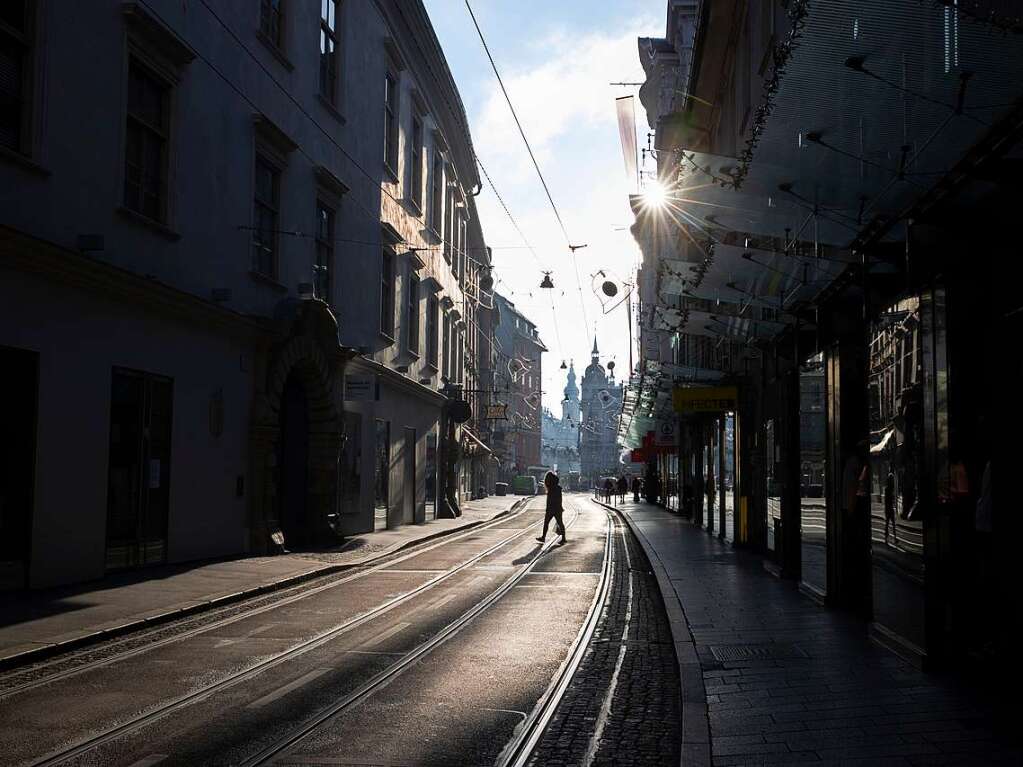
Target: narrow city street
(459,650)
(314,314)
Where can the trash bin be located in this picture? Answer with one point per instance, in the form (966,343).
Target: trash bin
(501,488)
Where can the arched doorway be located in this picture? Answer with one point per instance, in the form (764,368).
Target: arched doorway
(293,462)
(297,432)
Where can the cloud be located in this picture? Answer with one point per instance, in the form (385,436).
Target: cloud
(567,109)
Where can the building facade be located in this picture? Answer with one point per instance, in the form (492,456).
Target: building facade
(229,310)
(599,411)
(817,282)
(518,365)
(560,436)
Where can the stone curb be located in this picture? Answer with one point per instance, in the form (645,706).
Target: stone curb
(695,714)
(48,650)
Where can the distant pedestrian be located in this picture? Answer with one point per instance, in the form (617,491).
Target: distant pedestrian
(637,487)
(623,488)
(555,510)
(710,493)
(609,488)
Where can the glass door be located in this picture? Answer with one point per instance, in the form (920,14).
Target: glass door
(431,475)
(382,480)
(812,497)
(138,494)
(18,388)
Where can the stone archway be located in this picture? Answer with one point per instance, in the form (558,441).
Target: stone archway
(303,354)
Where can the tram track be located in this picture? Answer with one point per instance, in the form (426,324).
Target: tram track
(236,612)
(137,723)
(267,755)
(519,749)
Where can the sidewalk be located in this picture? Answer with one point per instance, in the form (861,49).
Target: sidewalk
(768,676)
(38,624)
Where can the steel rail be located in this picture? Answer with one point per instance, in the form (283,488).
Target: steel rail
(184,701)
(388,674)
(520,748)
(300,591)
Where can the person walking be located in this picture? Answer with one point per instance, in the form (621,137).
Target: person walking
(555,510)
(711,491)
(623,488)
(636,488)
(609,485)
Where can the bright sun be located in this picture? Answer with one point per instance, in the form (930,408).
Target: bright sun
(655,194)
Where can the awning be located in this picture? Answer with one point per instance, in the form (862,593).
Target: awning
(477,444)
(872,108)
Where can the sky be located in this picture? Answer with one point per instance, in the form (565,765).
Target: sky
(557,59)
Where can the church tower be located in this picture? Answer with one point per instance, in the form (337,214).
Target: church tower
(570,405)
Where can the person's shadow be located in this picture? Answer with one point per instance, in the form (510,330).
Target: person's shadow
(528,557)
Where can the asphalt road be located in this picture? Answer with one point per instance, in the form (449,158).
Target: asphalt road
(226,693)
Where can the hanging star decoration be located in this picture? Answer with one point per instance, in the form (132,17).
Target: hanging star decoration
(780,55)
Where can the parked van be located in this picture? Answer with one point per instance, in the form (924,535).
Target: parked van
(524,485)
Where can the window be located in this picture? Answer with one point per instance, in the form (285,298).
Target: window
(382,479)
(328,50)
(387,293)
(391,121)
(436,193)
(271,20)
(463,233)
(145,160)
(266,209)
(449,216)
(460,359)
(416,162)
(446,348)
(15,74)
(432,313)
(412,307)
(324,252)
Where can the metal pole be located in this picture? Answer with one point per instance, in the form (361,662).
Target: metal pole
(721,474)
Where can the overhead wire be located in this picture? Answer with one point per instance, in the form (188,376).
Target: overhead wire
(532,156)
(373,216)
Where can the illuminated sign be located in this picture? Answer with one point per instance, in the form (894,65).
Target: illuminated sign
(706,399)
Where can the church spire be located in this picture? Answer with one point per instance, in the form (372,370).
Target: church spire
(595,354)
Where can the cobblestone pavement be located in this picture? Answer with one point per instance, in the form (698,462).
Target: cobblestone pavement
(812,687)
(639,724)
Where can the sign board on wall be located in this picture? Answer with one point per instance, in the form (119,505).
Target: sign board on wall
(361,388)
(704,399)
(666,434)
(497,412)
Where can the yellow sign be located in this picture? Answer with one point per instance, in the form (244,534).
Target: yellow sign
(706,399)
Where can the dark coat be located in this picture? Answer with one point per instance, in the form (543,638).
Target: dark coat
(554,499)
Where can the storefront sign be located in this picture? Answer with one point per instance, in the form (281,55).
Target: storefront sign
(497,412)
(361,388)
(706,399)
(666,434)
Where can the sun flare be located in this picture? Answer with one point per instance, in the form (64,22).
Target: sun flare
(655,194)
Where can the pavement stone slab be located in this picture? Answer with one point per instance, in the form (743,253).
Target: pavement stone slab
(836,698)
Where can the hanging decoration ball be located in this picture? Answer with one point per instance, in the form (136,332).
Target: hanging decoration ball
(487,282)
(609,288)
(546,282)
(611,365)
